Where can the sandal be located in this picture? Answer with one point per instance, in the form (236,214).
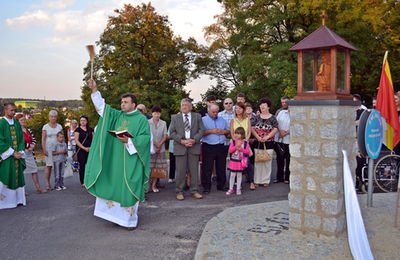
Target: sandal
(155,190)
(252,186)
(266,184)
(40,191)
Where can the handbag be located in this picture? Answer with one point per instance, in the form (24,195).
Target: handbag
(75,154)
(243,161)
(159,173)
(279,149)
(68,171)
(262,156)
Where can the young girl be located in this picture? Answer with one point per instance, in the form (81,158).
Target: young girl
(238,149)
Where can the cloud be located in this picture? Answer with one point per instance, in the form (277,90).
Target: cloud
(29,19)
(59,4)
(189,18)
(70,27)
(8,62)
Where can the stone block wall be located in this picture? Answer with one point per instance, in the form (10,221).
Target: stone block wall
(319,133)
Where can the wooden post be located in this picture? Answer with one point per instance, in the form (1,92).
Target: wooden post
(347,72)
(315,71)
(299,72)
(333,69)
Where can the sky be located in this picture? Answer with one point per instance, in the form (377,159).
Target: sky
(42,47)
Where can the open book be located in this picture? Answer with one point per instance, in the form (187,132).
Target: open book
(120,133)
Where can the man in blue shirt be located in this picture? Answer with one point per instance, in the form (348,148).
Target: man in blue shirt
(228,115)
(213,148)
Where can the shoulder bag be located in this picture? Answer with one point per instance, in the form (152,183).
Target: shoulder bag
(75,154)
(68,171)
(159,173)
(262,156)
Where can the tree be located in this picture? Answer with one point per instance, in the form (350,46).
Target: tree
(220,92)
(39,120)
(252,38)
(140,54)
(248,37)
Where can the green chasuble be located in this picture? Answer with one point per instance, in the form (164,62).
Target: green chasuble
(11,169)
(111,172)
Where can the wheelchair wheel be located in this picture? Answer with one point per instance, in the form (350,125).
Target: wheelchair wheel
(386,172)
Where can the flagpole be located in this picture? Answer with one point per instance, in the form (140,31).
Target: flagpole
(397,208)
(385,57)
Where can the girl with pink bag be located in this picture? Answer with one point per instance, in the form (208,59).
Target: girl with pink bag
(239,151)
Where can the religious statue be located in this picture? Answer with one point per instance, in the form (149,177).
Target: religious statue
(324,75)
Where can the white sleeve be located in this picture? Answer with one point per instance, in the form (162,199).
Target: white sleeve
(23,154)
(152,149)
(7,153)
(130,147)
(98,102)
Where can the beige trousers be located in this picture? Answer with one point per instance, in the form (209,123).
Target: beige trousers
(262,170)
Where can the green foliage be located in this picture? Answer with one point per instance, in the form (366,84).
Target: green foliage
(220,92)
(250,43)
(39,120)
(139,54)
(70,104)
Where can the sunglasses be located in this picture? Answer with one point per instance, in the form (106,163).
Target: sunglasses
(230,103)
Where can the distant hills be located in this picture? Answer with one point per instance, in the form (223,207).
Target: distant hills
(72,104)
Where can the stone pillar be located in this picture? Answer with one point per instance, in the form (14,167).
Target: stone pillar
(319,131)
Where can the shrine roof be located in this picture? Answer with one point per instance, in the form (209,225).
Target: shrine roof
(320,38)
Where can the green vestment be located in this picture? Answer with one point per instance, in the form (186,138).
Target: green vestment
(111,172)
(11,169)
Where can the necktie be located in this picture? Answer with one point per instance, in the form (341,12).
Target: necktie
(187,124)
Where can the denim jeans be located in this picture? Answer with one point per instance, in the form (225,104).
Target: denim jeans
(59,173)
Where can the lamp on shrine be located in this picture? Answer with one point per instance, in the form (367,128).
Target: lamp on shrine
(323,70)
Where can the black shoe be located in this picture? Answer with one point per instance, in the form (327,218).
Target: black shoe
(223,188)
(206,191)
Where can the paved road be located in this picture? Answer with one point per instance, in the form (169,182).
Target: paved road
(61,225)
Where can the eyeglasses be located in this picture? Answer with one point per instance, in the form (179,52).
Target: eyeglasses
(228,103)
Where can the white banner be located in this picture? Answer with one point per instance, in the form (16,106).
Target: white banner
(357,236)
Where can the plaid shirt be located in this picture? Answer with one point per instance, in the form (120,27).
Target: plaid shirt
(227,117)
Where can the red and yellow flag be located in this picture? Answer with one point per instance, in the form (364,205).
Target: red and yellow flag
(386,105)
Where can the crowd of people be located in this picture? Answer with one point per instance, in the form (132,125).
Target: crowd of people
(119,177)
(214,136)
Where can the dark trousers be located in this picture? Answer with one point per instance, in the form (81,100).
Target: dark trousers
(172,166)
(283,162)
(82,159)
(211,154)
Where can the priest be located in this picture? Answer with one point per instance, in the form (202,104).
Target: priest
(12,163)
(118,168)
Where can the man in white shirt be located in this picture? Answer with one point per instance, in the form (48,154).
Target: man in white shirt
(282,140)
